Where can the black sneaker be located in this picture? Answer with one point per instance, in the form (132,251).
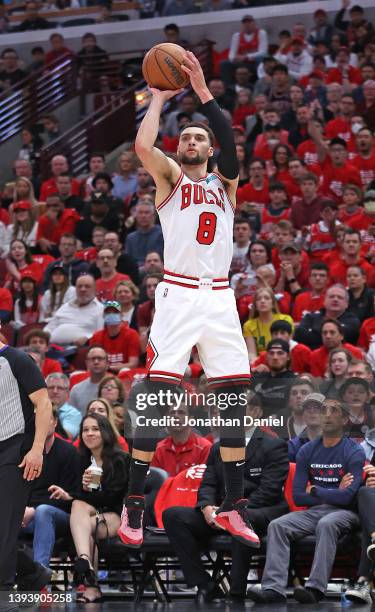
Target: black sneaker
(40,577)
(307,595)
(265,596)
(209,593)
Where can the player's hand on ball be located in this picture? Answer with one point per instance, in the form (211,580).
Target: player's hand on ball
(166,94)
(193,68)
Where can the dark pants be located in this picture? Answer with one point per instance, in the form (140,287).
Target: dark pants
(189,534)
(366,510)
(14,494)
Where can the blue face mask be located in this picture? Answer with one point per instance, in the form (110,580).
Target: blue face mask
(113,318)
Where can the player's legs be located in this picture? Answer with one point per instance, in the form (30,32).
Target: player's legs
(224,357)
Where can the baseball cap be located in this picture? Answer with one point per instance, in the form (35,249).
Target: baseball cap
(58,266)
(280,344)
(239,128)
(317,398)
(247,18)
(290,247)
(297,40)
(28,274)
(22,205)
(316,74)
(112,304)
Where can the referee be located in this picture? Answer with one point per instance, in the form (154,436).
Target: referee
(25,412)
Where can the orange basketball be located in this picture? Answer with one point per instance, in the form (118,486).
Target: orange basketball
(162,67)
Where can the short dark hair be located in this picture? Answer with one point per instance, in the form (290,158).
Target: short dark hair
(239,220)
(280,68)
(350,231)
(335,322)
(338,141)
(8,50)
(88,35)
(283,326)
(37,50)
(319,265)
(203,126)
(172,26)
(97,154)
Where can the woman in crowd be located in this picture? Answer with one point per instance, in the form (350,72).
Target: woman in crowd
(361,298)
(259,254)
(281,156)
(338,363)
(104,408)
(24,226)
(20,261)
(264,311)
(127,293)
(58,293)
(112,390)
(96,513)
(26,307)
(243,164)
(24,190)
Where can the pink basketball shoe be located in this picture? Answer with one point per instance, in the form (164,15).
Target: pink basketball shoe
(232,518)
(131,529)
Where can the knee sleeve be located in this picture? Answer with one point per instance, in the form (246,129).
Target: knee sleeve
(232,401)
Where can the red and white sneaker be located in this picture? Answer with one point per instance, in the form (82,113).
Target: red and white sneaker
(131,528)
(232,518)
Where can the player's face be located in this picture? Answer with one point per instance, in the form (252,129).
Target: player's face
(194,147)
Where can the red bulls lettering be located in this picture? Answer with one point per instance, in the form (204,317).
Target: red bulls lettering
(200,195)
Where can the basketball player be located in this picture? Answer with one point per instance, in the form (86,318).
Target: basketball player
(194,304)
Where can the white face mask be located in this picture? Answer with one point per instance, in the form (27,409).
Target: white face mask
(356,127)
(273,142)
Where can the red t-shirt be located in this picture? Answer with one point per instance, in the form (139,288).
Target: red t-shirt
(306,302)
(145,314)
(53,230)
(248,193)
(307,151)
(362,222)
(367,333)
(366,167)
(339,269)
(319,358)
(88,254)
(6,299)
(340,128)
(347,218)
(50,366)
(105,288)
(335,178)
(173,458)
(49,186)
(334,75)
(121,347)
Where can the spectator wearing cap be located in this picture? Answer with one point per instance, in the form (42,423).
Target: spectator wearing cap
(306,210)
(298,60)
(355,392)
(300,354)
(109,277)
(322,31)
(39,339)
(97,213)
(333,160)
(350,255)
(249,45)
(321,238)
(87,390)
(356,15)
(312,299)
(24,226)
(26,306)
(311,409)
(335,307)
(77,320)
(103,183)
(56,221)
(273,385)
(329,491)
(72,265)
(64,189)
(59,165)
(147,237)
(6,305)
(294,423)
(118,339)
(293,270)
(332,338)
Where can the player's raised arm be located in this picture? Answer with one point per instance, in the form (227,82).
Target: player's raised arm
(227,161)
(155,161)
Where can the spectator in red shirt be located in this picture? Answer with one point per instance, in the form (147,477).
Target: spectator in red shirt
(332,338)
(365,160)
(272,133)
(59,165)
(351,208)
(277,210)
(20,261)
(312,300)
(119,341)
(6,305)
(321,238)
(182,448)
(59,50)
(39,339)
(306,210)
(351,255)
(296,170)
(294,275)
(367,334)
(256,190)
(105,285)
(300,354)
(341,126)
(344,73)
(56,221)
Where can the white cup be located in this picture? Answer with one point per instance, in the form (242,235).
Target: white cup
(96,476)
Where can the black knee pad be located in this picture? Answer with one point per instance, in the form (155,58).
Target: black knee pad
(232,401)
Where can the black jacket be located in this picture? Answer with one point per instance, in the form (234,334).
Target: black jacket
(114,485)
(274,390)
(308,331)
(362,307)
(266,470)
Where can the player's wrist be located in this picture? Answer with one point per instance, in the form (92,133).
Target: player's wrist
(204,95)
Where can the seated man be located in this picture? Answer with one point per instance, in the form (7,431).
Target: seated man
(327,480)
(49,505)
(87,390)
(69,418)
(189,529)
(38,338)
(183,447)
(311,408)
(76,321)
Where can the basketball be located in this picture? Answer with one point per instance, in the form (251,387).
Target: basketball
(162,67)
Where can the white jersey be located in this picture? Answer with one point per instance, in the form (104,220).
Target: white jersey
(197,223)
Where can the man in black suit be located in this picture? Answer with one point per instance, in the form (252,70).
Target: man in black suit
(189,529)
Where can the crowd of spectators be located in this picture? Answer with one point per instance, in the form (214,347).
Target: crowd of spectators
(81,258)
